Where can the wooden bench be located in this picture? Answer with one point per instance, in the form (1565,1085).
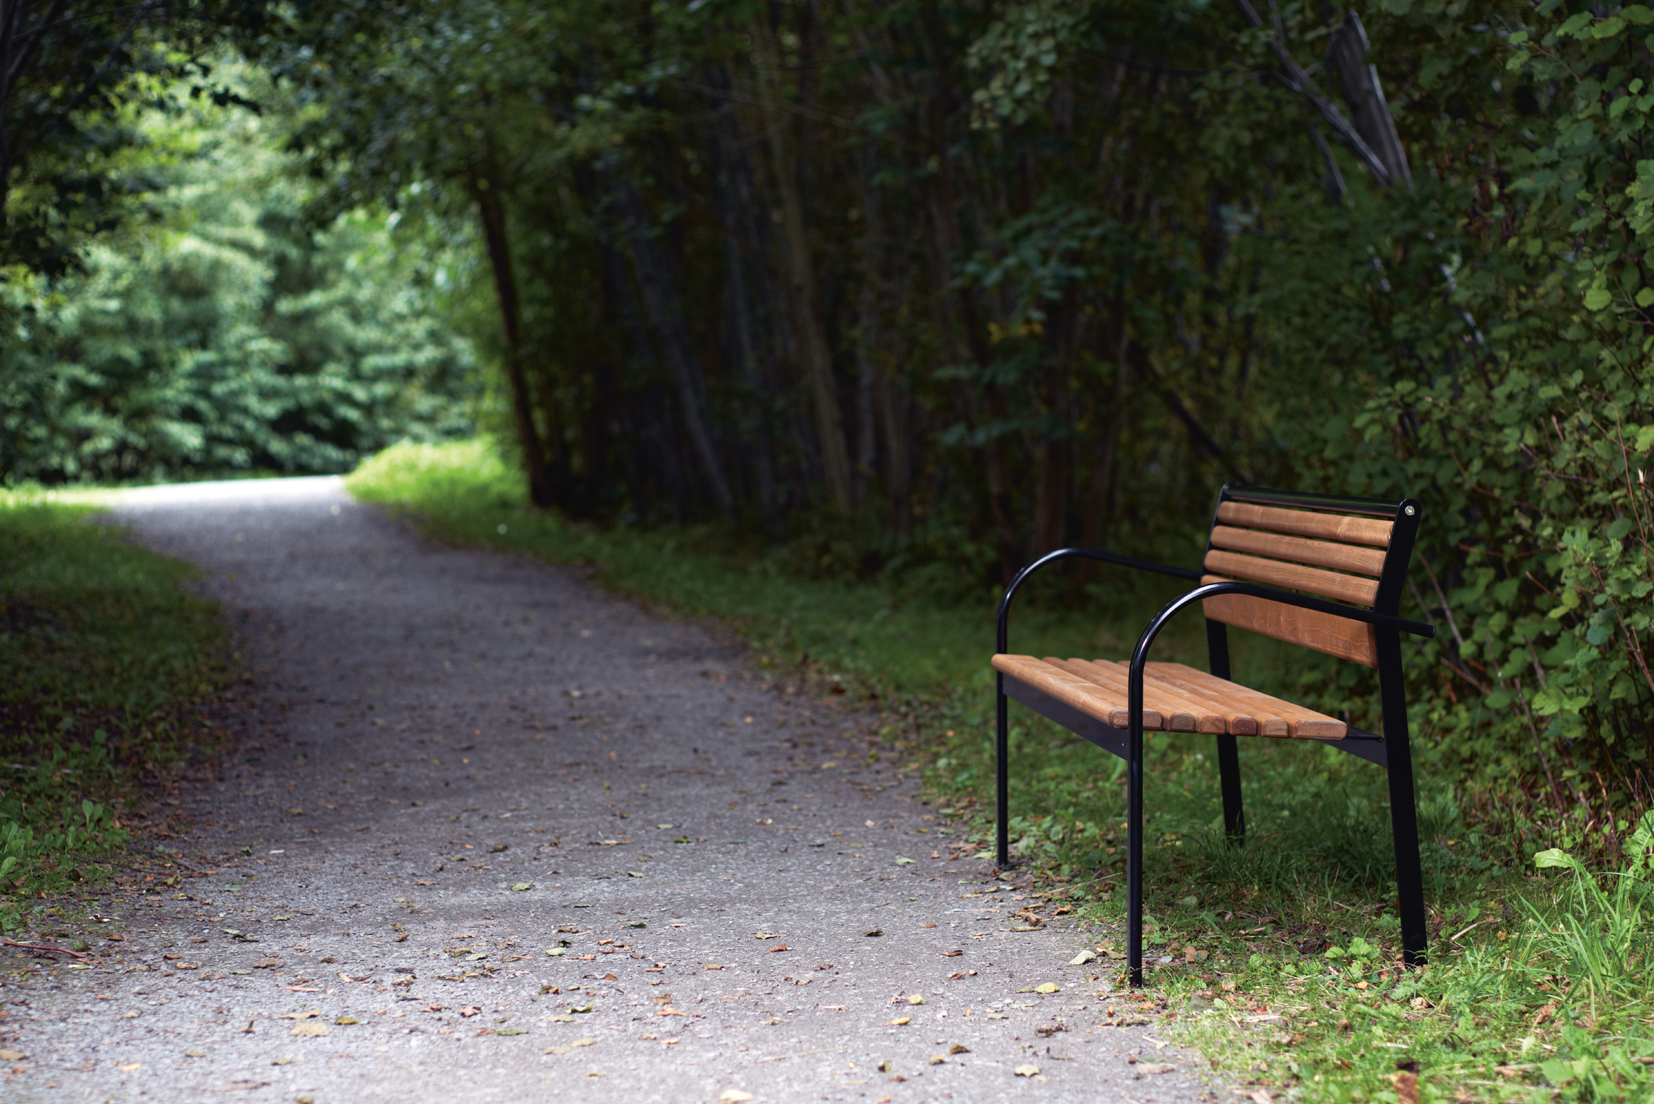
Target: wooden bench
(1316,570)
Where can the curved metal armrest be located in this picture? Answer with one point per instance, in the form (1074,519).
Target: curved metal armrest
(1139,656)
(1002,640)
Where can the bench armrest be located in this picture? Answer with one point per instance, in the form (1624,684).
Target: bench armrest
(1002,639)
(1140,655)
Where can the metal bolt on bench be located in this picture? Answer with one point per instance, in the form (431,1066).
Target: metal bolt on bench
(1320,571)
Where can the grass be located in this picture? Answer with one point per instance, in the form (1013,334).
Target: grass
(107,661)
(1280,958)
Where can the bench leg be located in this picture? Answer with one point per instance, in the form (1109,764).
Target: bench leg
(1415,937)
(1234,816)
(1134,856)
(1217,661)
(1002,756)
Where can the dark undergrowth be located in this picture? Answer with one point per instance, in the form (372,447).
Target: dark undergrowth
(109,665)
(1278,957)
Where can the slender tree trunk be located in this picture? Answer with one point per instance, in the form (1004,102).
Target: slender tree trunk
(868,335)
(665,310)
(743,240)
(491,211)
(801,289)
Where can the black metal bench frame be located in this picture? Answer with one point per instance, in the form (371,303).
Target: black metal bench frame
(1391,750)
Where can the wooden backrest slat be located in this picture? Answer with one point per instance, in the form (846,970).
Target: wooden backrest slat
(1308,523)
(1314,580)
(1320,553)
(1325,632)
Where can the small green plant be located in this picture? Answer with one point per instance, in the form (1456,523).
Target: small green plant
(1604,928)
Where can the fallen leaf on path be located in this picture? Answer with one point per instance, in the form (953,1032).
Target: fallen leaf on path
(901,1021)
(1082,958)
(959,1048)
(511,1031)
(309,1029)
(1048,987)
(938,1059)
(1155,1067)
(952,954)
(298,1015)
(347,1020)
(1026,1071)
(11,1056)
(734,1096)
(468,1012)
(778,947)
(903,860)
(916,999)
(875,931)
(566,1047)
(520,886)
(132,1067)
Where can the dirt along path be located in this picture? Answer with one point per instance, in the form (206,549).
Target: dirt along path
(497,836)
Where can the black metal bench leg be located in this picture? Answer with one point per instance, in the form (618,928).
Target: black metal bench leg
(1234,816)
(1134,856)
(1415,938)
(1217,662)
(1002,755)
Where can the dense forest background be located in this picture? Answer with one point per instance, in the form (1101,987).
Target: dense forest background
(916,290)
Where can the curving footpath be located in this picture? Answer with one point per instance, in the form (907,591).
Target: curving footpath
(496,836)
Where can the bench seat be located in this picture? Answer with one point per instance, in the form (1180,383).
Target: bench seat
(1176,698)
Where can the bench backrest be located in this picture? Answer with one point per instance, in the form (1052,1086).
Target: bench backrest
(1349,550)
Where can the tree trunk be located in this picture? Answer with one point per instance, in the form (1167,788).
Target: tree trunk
(867,322)
(661,302)
(1347,53)
(801,289)
(743,240)
(492,213)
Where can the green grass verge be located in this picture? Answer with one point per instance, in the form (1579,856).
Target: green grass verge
(1278,958)
(107,660)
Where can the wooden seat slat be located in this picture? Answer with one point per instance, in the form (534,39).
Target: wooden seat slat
(1180,712)
(1308,523)
(1184,712)
(1320,553)
(1115,691)
(1314,580)
(1325,632)
(1277,717)
(1161,679)
(1070,689)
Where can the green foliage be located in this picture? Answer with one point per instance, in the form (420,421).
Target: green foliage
(108,661)
(1484,335)
(224,334)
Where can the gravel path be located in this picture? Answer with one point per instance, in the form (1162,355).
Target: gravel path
(497,836)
